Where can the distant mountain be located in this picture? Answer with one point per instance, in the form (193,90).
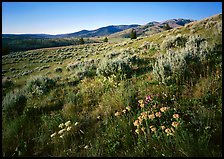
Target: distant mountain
(112,30)
(99,32)
(153,27)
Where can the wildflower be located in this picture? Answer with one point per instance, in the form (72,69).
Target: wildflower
(163,127)
(81,131)
(148,98)
(168,131)
(136,123)
(117,114)
(128,108)
(98,117)
(69,128)
(153,129)
(176,116)
(140,119)
(137,131)
(207,127)
(86,147)
(144,115)
(158,114)
(62,136)
(124,111)
(142,105)
(76,123)
(68,123)
(164,109)
(140,101)
(175,124)
(52,135)
(61,131)
(151,116)
(61,125)
(143,129)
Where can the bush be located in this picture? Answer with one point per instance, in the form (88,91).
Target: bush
(174,41)
(39,85)
(184,65)
(7,82)
(14,103)
(58,69)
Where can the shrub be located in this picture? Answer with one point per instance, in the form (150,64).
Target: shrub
(58,69)
(7,82)
(39,85)
(14,103)
(184,65)
(174,41)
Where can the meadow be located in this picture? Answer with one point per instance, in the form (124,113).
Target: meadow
(155,96)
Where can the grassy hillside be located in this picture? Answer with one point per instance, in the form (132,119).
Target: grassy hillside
(159,95)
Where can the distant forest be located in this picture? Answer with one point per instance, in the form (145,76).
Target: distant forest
(15,44)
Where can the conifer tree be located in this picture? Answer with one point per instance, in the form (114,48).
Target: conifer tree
(105,39)
(133,34)
(81,41)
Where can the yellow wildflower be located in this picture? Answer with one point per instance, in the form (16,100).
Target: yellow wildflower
(117,114)
(143,129)
(163,127)
(153,129)
(62,136)
(86,147)
(128,108)
(69,128)
(164,109)
(68,123)
(61,131)
(136,123)
(124,111)
(140,101)
(158,114)
(52,135)
(137,131)
(76,123)
(176,116)
(144,115)
(168,131)
(151,116)
(175,124)
(61,125)
(142,105)
(140,119)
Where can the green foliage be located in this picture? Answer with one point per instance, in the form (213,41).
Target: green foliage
(39,85)
(133,34)
(105,39)
(81,41)
(166,27)
(14,103)
(58,69)
(174,41)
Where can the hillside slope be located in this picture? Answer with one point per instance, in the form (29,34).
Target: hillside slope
(158,95)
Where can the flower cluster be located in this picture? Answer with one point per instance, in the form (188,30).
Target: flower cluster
(156,119)
(127,109)
(65,127)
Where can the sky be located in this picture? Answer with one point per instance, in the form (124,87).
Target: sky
(68,17)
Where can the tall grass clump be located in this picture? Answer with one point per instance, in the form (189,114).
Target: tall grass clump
(113,64)
(174,41)
(188,64)
(14,103)
(39,85)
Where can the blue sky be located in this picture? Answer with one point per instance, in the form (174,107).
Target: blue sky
(68,17)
